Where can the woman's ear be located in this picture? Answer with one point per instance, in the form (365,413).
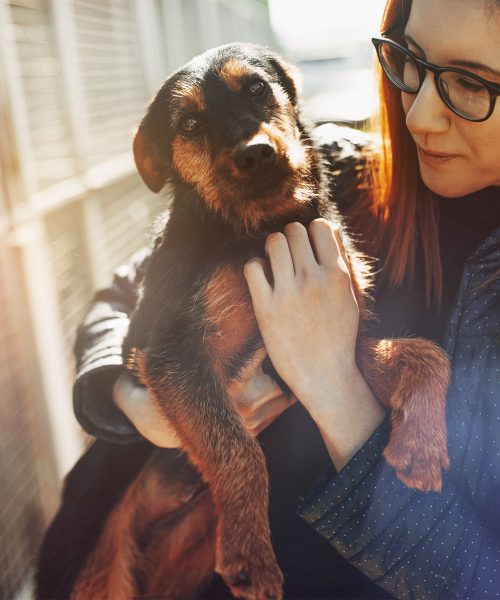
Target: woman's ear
(151,163)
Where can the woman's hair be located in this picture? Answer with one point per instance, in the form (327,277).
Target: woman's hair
(405,209)
(398,198)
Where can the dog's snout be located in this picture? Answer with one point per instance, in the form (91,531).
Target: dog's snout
(251,158)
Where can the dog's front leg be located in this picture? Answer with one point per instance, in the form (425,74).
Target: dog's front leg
(231,461)
(410,376)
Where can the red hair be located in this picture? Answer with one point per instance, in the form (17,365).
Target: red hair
(404,208)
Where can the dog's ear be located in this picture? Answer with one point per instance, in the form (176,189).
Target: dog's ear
(150,161)
(289,75)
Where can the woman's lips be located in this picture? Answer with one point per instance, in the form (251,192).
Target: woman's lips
(434,157)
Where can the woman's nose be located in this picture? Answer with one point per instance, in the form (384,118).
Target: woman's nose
(425,111)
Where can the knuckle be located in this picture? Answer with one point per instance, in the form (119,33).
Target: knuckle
(251,270)
(339,274)
(308,275)
(311,284)
(264,315)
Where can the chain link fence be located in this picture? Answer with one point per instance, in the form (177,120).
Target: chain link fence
(75,76)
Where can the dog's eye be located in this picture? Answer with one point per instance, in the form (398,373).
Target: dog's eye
(257,88)
(190,125)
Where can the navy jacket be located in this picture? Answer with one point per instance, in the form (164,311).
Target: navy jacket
(412,544)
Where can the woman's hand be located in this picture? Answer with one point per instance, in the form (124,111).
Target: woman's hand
(143,411)
(309,323)
(309,318)
(256,396)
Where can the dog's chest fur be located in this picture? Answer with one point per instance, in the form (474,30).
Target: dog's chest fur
(196,307)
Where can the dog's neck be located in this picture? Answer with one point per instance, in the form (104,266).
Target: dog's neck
(190,204)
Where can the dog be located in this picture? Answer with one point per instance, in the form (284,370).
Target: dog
(226,133)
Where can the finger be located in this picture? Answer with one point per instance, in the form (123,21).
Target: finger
(258,428)
(255,431)
(161,434)
(278,252)
(141,409)
(269,411)
(341,247)
(252,394)
(259,286)
(300,247)
(258,357)
(253,365)
(324,241)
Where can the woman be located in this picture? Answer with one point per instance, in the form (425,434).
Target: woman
(431,214)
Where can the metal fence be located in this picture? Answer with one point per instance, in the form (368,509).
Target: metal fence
(74,78)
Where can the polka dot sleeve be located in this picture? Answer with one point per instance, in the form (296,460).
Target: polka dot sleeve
(413,544)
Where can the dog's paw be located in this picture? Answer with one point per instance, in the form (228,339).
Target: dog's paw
(418,457)
(256,578)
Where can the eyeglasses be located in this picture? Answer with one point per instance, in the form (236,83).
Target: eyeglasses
(466,94)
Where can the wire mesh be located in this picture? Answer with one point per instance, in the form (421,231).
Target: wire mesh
(40,78)
(24,488)
(81,250)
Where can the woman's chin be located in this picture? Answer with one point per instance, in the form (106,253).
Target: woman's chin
(447,182)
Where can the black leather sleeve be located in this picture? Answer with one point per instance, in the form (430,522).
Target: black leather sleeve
(98,352)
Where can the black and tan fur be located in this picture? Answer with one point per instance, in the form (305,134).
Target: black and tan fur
(246,169)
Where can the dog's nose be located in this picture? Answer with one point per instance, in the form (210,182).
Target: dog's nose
(254,157)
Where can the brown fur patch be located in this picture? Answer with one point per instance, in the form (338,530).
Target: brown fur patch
(192,161)
(119,568)
(229,318)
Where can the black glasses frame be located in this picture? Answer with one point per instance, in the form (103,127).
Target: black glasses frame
(423,66)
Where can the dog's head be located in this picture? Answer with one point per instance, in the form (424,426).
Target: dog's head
(227,124)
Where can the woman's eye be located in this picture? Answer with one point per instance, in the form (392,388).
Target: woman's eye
(257,88)
(190,125)
(470,85)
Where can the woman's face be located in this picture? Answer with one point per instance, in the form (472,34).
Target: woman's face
(456,157)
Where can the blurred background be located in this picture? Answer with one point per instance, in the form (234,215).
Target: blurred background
(75,76)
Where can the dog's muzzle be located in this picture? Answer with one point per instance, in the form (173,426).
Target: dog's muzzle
(256,156)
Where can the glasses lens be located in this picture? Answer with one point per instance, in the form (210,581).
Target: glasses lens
(464,94)
(401,69)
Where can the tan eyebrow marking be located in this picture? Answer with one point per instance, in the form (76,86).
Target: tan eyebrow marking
(190,95)
(233,73)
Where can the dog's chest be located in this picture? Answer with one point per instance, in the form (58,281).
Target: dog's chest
(227,316)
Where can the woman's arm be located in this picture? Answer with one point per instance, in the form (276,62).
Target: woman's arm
(413,544)
(98,353)
(309,323)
